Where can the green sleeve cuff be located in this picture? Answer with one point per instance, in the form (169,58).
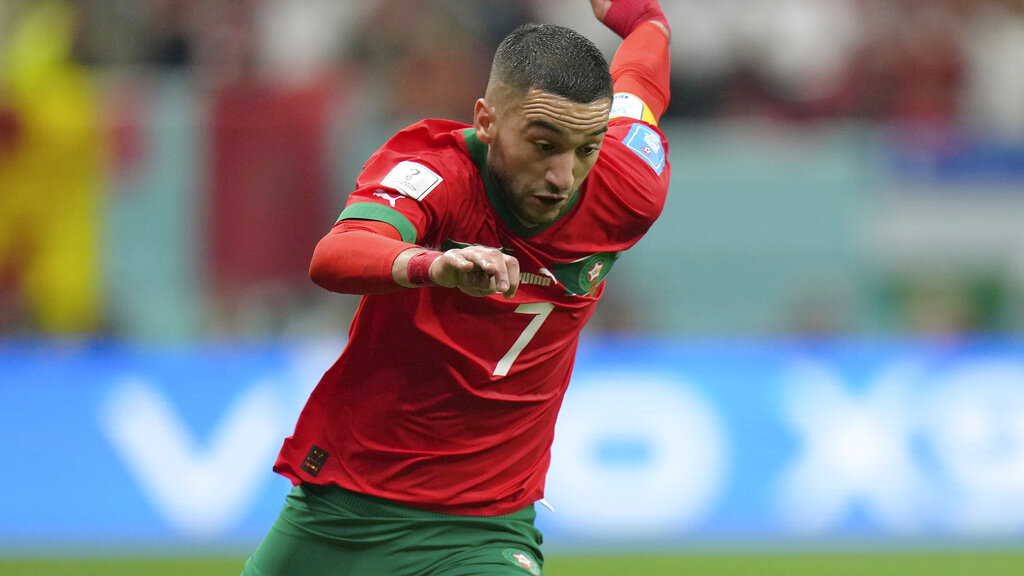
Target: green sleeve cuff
(381,213)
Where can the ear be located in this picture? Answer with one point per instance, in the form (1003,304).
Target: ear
(484,116)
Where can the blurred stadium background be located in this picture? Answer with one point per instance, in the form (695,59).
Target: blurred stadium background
(811,365)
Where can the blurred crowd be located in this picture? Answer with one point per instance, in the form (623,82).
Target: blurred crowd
(916,60)
(280,79)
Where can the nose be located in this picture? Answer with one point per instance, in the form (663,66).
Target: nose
(560,172)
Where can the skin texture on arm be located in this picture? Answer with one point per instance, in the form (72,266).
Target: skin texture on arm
(475,270)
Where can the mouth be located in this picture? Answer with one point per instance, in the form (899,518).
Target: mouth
(550,200)
(543,206)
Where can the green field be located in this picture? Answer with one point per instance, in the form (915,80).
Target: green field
(745,564)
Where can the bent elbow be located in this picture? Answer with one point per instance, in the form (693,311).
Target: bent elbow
(320,270)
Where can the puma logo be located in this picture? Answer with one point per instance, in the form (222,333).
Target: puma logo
(391,199)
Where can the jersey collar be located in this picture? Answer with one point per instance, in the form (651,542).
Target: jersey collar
(478,151)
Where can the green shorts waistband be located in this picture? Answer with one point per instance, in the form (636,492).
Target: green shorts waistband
(348,501)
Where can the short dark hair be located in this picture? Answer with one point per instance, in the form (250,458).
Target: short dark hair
(554,59)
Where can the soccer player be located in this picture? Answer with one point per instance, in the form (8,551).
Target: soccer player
(481,251)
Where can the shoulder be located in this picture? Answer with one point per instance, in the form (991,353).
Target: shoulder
(626,190)
(421,180)
(419,158)
(640,141)
(428,136)
(633,166)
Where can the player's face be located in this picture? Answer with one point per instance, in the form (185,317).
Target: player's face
(542,147)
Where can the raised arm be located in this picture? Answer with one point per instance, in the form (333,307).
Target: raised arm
(641,65)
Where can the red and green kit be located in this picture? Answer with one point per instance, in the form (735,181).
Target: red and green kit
(447,402)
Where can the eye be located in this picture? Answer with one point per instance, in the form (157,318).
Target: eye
(588,150)
(543,146)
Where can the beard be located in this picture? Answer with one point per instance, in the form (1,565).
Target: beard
(504,185)
(515,199)
(503,182)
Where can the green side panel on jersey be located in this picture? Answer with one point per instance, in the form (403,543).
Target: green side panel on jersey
(478,150)
(582,276)
(381,213)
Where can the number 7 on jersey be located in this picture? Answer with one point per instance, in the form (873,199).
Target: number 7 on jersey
(542,310)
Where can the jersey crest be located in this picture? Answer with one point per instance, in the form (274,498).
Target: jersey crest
(523,560)
(583,276)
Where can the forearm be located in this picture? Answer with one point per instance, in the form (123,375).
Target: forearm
(362,257)
(369,257)
(641,66)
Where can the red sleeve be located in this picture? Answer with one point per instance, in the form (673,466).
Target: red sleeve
(356,257)
(641,67)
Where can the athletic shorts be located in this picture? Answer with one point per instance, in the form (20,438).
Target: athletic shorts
(330,531)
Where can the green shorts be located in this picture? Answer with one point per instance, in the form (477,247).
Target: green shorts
(327,530)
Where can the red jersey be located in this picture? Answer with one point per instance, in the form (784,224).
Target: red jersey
(447,402)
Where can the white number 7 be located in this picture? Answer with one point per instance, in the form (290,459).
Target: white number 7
(542,310)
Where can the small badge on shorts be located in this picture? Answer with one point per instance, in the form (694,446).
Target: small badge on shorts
(315,460)
(523,560)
